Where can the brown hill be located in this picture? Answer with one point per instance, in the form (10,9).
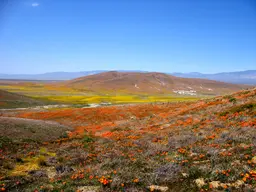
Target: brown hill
(14,100)
(150,83)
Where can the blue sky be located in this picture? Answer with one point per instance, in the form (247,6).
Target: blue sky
(156,35)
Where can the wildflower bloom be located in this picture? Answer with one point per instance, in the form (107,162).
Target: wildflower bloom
(104,180)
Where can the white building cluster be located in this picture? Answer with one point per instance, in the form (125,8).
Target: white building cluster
(184,92)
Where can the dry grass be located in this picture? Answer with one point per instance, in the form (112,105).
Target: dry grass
(28,129)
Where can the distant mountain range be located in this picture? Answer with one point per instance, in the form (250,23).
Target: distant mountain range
(58,76)
(240,77)
(50,76)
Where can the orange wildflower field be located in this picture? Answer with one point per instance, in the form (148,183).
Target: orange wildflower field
(206,145)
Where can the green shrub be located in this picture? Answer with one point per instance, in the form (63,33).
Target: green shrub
(65,135)
(5,141)
(232,99)
(196,172)
(87,140)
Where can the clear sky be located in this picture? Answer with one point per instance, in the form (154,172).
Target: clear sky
(155,35)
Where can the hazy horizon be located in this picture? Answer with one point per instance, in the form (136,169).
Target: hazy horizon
(133,70)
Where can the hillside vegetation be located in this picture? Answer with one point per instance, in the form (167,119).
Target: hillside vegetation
(208,145)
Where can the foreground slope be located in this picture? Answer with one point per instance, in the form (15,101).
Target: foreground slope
(150,83)
(209,145)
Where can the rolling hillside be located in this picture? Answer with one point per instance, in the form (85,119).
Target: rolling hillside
(150,83)
(14,100)
(207,145)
